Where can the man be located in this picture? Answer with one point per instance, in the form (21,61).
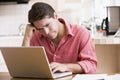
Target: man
(69,47)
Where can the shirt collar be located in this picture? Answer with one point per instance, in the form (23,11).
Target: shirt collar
(68,27)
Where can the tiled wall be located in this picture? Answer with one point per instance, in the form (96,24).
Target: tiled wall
(11,17)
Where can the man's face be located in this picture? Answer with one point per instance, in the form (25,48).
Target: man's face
(48,27)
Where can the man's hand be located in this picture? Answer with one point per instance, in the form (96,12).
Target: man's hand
(58,67)
(28,34)
(29,30)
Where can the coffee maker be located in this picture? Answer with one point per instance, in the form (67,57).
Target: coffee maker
(105,26)
(111,23)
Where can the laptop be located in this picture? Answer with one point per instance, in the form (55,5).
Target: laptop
(31,62)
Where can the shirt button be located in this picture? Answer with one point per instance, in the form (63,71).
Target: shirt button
(55,55)
(54,58)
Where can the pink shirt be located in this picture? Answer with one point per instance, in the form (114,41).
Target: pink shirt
(75,47)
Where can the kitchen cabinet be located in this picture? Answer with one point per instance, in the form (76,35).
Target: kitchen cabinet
(108,54)
(8,41)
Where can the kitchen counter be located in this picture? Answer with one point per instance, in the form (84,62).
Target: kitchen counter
(15,40)
(11,40)
(107,40)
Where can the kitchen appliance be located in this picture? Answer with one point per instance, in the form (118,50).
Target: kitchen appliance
(112,22)
(105,26)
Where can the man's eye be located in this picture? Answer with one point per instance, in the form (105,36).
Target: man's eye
(38,28)
(47,25)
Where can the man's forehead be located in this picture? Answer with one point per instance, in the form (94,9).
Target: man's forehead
(42,23)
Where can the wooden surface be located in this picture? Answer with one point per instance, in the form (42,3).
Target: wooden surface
(6,76)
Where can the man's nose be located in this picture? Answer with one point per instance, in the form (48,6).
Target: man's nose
(46,30)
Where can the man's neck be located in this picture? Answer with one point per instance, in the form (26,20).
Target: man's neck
(62,30)
(61,33)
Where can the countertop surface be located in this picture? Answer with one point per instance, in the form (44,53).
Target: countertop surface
(98,40)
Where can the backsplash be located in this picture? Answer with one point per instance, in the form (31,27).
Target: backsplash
(12,17)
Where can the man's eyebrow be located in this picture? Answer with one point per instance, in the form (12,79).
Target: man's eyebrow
(39,27)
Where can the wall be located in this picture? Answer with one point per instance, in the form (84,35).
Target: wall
(11,17)
(74,11)
(100,8)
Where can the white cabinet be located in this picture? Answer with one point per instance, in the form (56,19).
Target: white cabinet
(8,41)
(3,67)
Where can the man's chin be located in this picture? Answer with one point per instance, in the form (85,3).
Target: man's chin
(52,37)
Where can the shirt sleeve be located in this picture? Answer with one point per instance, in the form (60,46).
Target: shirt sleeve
(34,40)
(87,54)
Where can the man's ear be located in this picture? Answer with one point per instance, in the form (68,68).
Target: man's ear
(55,15)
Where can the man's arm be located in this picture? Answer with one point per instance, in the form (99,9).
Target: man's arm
(28,34)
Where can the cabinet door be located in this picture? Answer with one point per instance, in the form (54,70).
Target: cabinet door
(8,41)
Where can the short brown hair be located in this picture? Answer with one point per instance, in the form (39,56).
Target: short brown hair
(40,10)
